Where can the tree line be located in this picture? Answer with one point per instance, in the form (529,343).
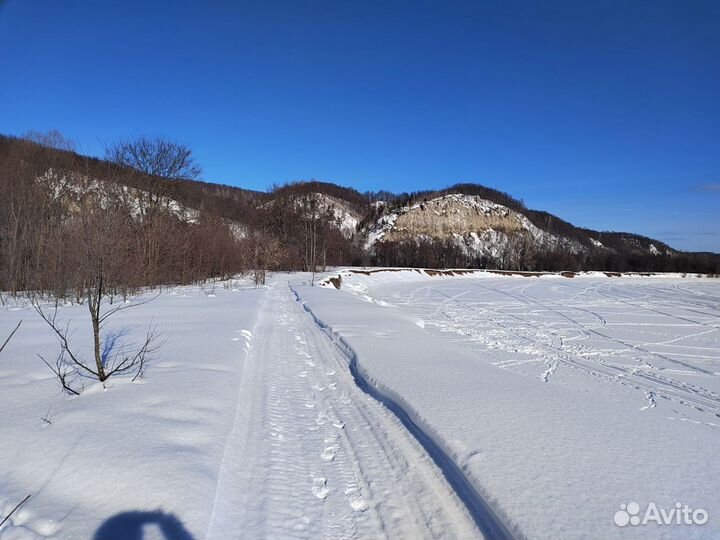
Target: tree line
(144,212)
(65,219)
(520,254)
(141,217)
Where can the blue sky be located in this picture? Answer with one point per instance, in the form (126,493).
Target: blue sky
(606,113)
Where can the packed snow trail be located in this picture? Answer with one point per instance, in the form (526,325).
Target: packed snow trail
(481,512)
(312,456)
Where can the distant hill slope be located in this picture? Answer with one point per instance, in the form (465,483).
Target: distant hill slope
(490,228)
(464,225)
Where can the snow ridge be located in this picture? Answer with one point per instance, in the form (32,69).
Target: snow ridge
(482,514)
(231,462)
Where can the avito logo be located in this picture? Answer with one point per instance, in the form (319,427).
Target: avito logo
(679,514)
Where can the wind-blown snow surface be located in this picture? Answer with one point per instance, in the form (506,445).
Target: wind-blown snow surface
(561,399)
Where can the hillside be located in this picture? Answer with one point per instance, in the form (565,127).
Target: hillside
(312,224)
(469,225)
(480,227)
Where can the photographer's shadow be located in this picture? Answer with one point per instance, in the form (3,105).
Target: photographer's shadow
(131,526)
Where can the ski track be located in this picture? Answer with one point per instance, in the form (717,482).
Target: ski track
(543,328)
(312,456)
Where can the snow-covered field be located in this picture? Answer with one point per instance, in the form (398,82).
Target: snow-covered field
(148,451)
(400,406)
(560,398)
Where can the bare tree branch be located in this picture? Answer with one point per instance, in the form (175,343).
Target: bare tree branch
(10,336)
(155,157)
(109,313)
(61,371)
(14,509)
(62,335)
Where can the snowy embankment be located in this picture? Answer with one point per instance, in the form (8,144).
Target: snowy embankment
(131,457)
(560,399)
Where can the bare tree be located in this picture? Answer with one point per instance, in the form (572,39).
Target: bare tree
(316,218)
(52,139)
(69,365)
(263,252)
(100,248)
(155,156)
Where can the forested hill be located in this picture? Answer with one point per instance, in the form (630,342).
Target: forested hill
(145,210)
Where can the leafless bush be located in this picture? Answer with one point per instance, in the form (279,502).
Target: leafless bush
(263,254)
(232,284)
(70,367)
(208,287)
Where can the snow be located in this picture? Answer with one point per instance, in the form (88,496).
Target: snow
(75,185)
(247,424)
(153,446)
(382,226)
(313,457)
(406,404)
(561,399)
(487,242)
(345,217)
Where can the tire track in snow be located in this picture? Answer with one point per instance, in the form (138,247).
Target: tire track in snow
(313,457)
(491,526)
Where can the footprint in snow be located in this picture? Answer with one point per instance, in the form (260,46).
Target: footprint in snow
(356,500)
(319,488)
(330,452)
(302,523)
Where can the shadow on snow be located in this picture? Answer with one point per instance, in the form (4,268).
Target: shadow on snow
(110,342)
(131,526)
